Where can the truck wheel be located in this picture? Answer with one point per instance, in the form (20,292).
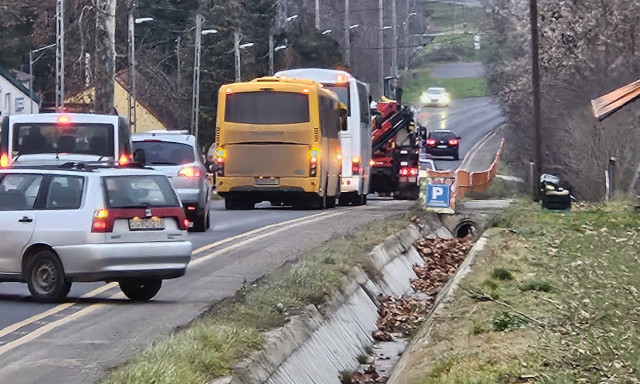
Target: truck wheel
(45,277)
(358,200)
(140,290)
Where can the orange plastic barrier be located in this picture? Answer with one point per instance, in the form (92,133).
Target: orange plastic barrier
(477,181)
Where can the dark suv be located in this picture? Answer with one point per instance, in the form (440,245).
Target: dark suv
(442,143)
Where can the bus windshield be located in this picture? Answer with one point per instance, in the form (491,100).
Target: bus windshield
(342,90)
(267,107)
(80,138)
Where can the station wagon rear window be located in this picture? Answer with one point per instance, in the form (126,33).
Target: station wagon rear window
(76,138)
(267,107)
(139,191)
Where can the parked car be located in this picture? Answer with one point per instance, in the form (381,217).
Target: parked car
(442,143)
(427,164)
(176,155)
(435,97)
(120,224)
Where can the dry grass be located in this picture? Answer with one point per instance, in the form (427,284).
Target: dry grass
(575,275)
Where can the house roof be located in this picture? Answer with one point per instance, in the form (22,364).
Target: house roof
(11,79)
(156,100)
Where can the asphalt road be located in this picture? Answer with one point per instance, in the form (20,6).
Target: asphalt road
(76,342)
(472,120)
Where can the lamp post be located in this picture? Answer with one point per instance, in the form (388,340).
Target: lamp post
(132,64)
(31,61)
(236,50)
(407,41)
(381,46)
(195,98)
(272,43)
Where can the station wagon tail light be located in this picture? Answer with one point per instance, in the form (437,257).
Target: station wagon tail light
(431,141)
(190,173)
(355,164)
(4,161)
(453,142)
(100,222)
(314,156)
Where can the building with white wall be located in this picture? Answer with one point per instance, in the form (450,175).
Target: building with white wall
(14,96)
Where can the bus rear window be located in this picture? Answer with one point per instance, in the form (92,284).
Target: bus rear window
(342,91)
(267,107)
(86,139)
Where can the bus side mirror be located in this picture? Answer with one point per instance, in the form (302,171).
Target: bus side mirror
(139,156)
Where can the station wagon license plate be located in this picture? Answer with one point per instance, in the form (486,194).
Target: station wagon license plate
(442,146)
(151,224)
(267,181)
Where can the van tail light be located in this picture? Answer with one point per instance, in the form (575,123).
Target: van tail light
(355,164)
(314,157)
(453,142)
(431,142)
(190,173)
(124,160)
(102,222)
(4,160)
(408,171)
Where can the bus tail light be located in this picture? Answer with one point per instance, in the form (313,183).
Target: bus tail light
(221,157)
(190,173)
(123,160)
(339,156)
(314,156)
(4,160)
(355,164)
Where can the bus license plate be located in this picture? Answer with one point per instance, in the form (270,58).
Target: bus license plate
(152,224)
(268,181)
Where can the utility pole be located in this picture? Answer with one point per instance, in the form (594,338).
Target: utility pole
(318,14)
(535,71)
(347,29)
(394,56)
(195,99)
(59,55)
(132,67)
(105,55)
(236,52)
(271,48)
(381,46)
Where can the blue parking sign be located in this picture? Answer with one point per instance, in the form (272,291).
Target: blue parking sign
(438,195)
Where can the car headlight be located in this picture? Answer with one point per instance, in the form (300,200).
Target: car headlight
(424,98)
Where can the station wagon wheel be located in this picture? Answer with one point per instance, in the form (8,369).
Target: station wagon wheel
(143,290)
(45,277)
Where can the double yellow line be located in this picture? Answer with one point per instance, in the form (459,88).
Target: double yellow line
(259,233)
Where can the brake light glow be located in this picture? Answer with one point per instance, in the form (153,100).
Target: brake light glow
(221,154)
(64,119)
(4,161)
(124,160)
(453,142)
(372,162)
(431,141)
(306,90)
(339,156)
(406,171)
(185,224)
(342,78)
(190,173)
(355,164)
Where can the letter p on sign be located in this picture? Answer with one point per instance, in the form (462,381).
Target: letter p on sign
(436,192)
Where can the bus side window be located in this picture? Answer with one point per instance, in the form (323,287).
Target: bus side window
(363,99)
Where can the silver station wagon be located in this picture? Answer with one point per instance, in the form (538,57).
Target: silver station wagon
(82,223)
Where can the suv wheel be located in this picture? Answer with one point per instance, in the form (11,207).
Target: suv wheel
(141,290)
(200,222)
(45,277)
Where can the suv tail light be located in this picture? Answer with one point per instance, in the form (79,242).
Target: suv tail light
(431,142)
(355,164)
(453,142)
(314,155)
(190,173)
(4,160)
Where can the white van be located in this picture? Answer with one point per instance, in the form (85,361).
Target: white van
(51,138)
(356,140)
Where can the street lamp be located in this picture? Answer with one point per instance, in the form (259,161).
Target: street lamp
(293,17)
(354,26)
(407,41)
(386,27)
(279,48)
(326,32)
(195,99)
(132,66)
(246,45)
(31,61)
(271,44)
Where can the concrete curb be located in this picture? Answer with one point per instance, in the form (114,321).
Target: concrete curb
(445,296)
(353,308)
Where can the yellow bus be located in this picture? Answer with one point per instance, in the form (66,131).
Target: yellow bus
(278,141)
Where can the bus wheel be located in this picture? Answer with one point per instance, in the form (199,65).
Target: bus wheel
(331,201)
(230,204)
(358,199)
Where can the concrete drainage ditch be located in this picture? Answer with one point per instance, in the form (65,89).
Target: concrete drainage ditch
(325,344)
